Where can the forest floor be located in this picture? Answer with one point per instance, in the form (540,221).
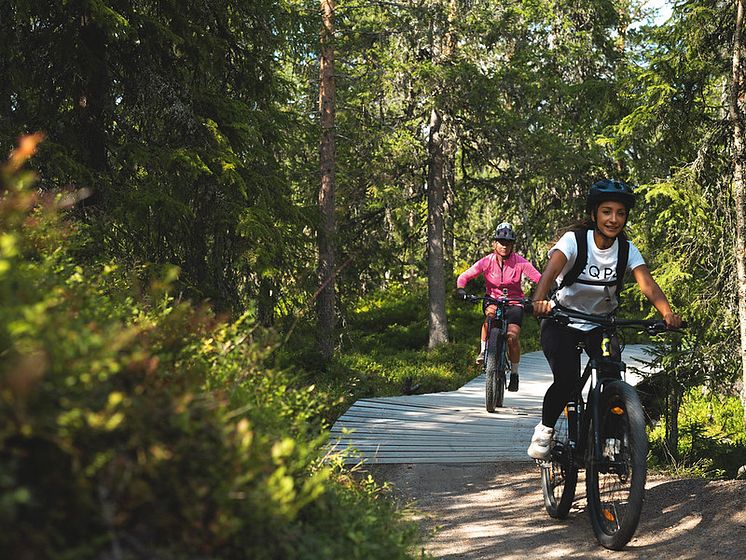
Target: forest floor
(496,510)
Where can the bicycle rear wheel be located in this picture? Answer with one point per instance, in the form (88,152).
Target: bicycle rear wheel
(615,481)
(559,475)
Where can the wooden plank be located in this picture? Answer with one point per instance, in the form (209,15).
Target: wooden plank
(444,415)
(398,460)
(435,427)
(514,435)
(450,426)
(434,434)
(414,447)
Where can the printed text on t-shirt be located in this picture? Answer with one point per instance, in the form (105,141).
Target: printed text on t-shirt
(595,272)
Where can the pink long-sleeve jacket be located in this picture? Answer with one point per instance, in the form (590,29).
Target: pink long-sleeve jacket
(498,277)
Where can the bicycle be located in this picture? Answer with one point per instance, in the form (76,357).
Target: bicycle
(606,436)
(496,363)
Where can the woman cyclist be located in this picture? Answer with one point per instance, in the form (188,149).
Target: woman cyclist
(594,292)
(503,269)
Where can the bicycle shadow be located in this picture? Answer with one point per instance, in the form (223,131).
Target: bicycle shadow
(699,517)
(481,512)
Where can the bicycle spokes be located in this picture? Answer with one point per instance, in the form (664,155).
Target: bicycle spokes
(610,514)
(617,466)
(559,473)
(614,469)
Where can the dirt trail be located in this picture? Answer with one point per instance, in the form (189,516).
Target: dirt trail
(488,511)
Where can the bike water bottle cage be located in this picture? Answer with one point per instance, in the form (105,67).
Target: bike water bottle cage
(581,261)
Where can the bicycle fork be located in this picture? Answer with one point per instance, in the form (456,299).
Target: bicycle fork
(598,384)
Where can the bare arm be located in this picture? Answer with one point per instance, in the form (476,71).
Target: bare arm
(650,288)
(556,263)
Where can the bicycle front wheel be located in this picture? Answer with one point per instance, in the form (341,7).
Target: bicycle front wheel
(492,389)
(559,475)
(494,368)
(502,368)
(615,480)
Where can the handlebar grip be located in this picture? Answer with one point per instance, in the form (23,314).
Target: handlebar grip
(660,327)
(684,325)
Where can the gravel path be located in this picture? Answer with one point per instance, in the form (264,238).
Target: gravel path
(496,510)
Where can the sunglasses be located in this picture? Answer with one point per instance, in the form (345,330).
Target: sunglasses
(504,241)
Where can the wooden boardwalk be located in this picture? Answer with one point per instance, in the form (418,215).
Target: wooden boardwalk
(452,427)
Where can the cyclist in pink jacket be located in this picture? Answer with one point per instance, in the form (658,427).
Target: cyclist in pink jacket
(503,269)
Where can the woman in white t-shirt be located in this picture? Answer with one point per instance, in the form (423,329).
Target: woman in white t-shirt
(594,291)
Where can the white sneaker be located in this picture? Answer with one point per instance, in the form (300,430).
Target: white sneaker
(480,357)
(541,442)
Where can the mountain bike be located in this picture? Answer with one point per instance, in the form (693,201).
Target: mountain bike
(496,364)
(605,435)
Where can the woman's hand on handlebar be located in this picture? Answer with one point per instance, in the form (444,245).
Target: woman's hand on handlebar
(542,308)
(672,320)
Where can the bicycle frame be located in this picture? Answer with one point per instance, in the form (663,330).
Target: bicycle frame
(611,370)
(498,322)
(496,359)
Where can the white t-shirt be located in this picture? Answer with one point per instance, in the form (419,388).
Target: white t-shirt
(594,291)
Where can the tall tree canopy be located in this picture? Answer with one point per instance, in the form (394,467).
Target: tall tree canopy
(171,114)
(195,128)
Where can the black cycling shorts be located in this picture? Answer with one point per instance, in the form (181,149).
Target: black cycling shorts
(513,313)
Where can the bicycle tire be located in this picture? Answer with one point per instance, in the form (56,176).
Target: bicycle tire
(490,370)
(559,475)
(502,366)
(615,481)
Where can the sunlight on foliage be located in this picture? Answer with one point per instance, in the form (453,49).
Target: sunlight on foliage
(134,422)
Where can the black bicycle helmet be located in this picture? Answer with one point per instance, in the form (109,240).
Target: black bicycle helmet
(504,232)
(610,189)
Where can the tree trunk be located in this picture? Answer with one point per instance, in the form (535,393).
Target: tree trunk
(438,333)
(738,91)
(91,97)
(448,205)
(439,169)
(266,302)
(325,304)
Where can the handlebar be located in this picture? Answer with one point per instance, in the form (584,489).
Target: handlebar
(565,316)
(652,326)
(504,300)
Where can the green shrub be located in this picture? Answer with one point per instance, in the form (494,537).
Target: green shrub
(132,425)
(712,440)
(384,348)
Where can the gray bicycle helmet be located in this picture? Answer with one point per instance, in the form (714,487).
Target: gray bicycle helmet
(504,232)
(610,189)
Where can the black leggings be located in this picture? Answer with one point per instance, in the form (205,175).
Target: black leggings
(560,345)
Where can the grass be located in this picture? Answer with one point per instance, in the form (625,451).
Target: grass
(383,347)
(712,439)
